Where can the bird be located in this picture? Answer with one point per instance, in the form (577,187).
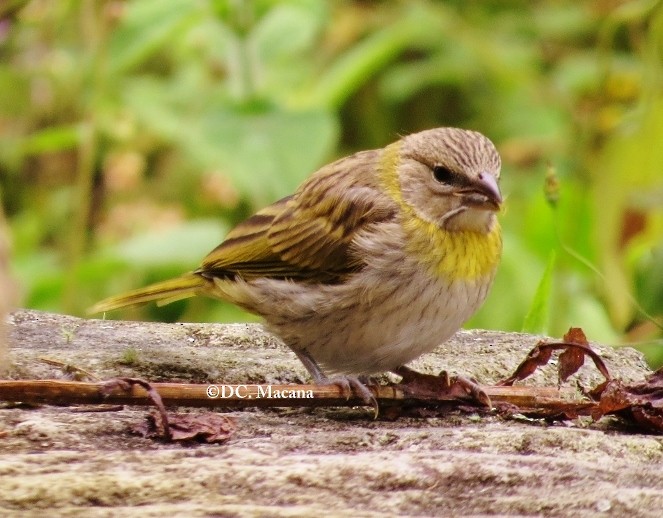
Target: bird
(376,259)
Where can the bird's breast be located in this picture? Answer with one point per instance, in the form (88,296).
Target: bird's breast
(390,317)
(455,255)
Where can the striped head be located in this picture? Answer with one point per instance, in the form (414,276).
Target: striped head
(447,177)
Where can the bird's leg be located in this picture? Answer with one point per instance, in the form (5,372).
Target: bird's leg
(428,384)
(346,383)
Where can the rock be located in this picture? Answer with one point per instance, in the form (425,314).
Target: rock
(305,462)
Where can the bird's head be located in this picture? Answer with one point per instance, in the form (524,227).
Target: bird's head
(449,177)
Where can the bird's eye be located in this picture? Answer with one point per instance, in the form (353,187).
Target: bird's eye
(442,174)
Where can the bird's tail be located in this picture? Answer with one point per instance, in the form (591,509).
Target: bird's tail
(164,292)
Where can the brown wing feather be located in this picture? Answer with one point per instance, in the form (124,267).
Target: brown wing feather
(246,249)
(308,235)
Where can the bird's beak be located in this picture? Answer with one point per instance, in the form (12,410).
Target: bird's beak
(483,193)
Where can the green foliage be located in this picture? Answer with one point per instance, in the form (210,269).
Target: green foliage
(134,134)
(536,319)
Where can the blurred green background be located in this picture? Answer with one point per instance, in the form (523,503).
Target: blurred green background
(134,134)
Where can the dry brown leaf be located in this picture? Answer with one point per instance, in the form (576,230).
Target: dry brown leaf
(127,384)
(639,403)
(207,427)
(537,357)
(569,362)
(571,359)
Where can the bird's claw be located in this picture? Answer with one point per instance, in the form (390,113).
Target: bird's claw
(354,386)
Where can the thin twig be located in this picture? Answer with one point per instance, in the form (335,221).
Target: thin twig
(68,368)
(58,392)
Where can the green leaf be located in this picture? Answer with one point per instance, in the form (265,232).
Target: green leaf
(288,29)
(147,27)
(184,245)
(536,320)
(53,138)
(266,153)
(372,54)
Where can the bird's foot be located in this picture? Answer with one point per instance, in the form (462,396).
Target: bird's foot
(355,385)
(350,385)
(427,385)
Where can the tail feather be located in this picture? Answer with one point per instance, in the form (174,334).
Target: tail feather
(164,292)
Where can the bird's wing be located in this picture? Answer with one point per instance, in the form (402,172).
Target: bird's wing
(307,235)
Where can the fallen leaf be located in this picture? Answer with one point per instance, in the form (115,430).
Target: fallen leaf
(639,403)
(571,359)
(126,385)
(536,358)
(206,427)
(542,352)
